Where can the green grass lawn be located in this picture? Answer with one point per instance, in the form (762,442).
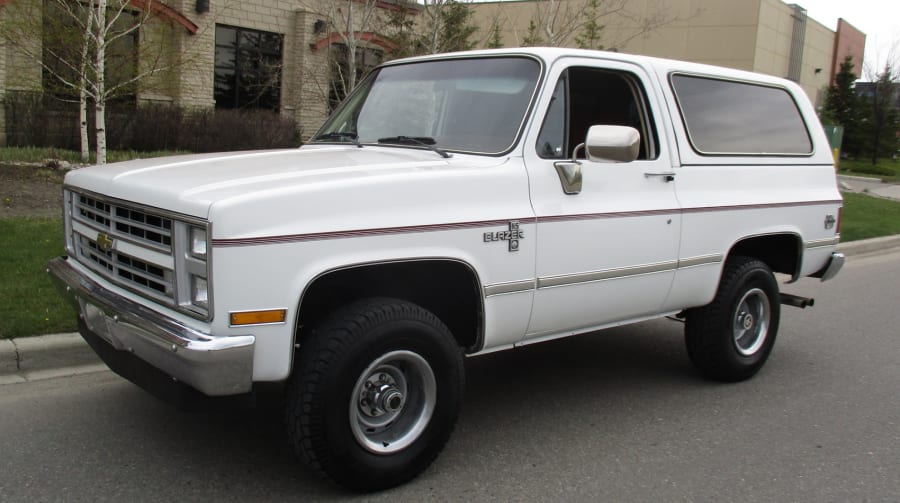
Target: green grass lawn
(867,217)
(29,303)
(886,169)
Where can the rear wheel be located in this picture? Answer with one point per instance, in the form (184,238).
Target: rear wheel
(376,393)
(730,338)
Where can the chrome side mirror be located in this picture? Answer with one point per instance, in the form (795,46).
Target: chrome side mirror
(612,143)
(603,144)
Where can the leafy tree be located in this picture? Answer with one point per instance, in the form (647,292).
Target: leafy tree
(400,29)
(450,26)
(884,121)
(843,106)
(533,36)
(456,28)
(591,29)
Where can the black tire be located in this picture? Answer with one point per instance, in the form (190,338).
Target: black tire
(730,338)
(375,394)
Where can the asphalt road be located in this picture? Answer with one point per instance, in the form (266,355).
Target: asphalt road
(615,416)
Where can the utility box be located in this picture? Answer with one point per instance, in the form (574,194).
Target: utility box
(835,137)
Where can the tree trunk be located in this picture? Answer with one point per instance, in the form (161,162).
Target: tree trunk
(100,91)
(351,49)
(82,91)
(83,121)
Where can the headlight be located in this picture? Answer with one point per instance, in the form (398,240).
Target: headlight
(198,243)
(199,292)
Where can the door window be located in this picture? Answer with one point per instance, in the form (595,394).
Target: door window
(586,97)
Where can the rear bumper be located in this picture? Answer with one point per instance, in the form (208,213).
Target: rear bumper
(213,365)
(834,265)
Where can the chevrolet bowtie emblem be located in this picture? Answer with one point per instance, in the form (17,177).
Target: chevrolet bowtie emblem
(104,242)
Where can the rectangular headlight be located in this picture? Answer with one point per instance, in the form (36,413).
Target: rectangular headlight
(199,292)
(198,243)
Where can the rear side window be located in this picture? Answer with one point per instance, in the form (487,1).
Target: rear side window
(740,118)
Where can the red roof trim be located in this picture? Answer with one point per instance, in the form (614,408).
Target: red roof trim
(164,11)
(363,36)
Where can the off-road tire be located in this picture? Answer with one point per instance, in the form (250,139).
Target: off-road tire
(323,400)
(730,338)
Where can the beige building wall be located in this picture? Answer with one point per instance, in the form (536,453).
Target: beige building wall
(817,57)
(775,29)
(752,35)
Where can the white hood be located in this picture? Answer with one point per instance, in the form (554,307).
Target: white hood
(313,180)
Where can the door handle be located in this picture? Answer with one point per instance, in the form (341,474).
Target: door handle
(667,176)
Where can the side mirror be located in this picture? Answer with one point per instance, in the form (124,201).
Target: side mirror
(612,143)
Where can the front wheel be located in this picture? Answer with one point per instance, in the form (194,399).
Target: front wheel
(376,393)
(730,338)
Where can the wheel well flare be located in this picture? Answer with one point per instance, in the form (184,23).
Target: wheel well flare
(450,289)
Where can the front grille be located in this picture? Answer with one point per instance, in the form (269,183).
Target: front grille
(117,220)
(128,271)
(141,249)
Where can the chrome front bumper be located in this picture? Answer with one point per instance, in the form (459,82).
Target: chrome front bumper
(215,366)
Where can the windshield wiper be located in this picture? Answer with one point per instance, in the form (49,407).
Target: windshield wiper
(351,137)
(425,141)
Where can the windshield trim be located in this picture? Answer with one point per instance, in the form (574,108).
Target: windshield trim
(363,87)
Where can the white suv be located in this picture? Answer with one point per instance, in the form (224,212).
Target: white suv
(455,205)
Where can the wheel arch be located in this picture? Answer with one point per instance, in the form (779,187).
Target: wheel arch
(782,252)
(448,287)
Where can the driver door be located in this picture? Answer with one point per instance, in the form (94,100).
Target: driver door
(607,252)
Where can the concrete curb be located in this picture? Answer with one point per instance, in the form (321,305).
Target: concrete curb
(31,358)
(870,245)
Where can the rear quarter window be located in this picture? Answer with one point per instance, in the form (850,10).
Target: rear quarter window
(727,117)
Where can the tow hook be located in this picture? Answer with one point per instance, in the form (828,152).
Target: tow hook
(797,301)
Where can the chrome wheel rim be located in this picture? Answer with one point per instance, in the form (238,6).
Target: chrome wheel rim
(392,402)
(751,322)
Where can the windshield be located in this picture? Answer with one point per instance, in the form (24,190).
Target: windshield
(467,105)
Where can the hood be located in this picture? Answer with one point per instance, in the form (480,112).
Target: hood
(192,184)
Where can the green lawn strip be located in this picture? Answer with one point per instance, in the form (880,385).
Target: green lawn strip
(867,217)
(886,169)
(29,303)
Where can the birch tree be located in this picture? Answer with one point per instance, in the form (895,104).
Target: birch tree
(83,36)
(349,19)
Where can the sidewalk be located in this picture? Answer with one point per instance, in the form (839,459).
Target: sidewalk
(873,186)
(59,355)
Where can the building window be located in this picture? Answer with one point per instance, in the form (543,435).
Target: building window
(248,68)
(366,59)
